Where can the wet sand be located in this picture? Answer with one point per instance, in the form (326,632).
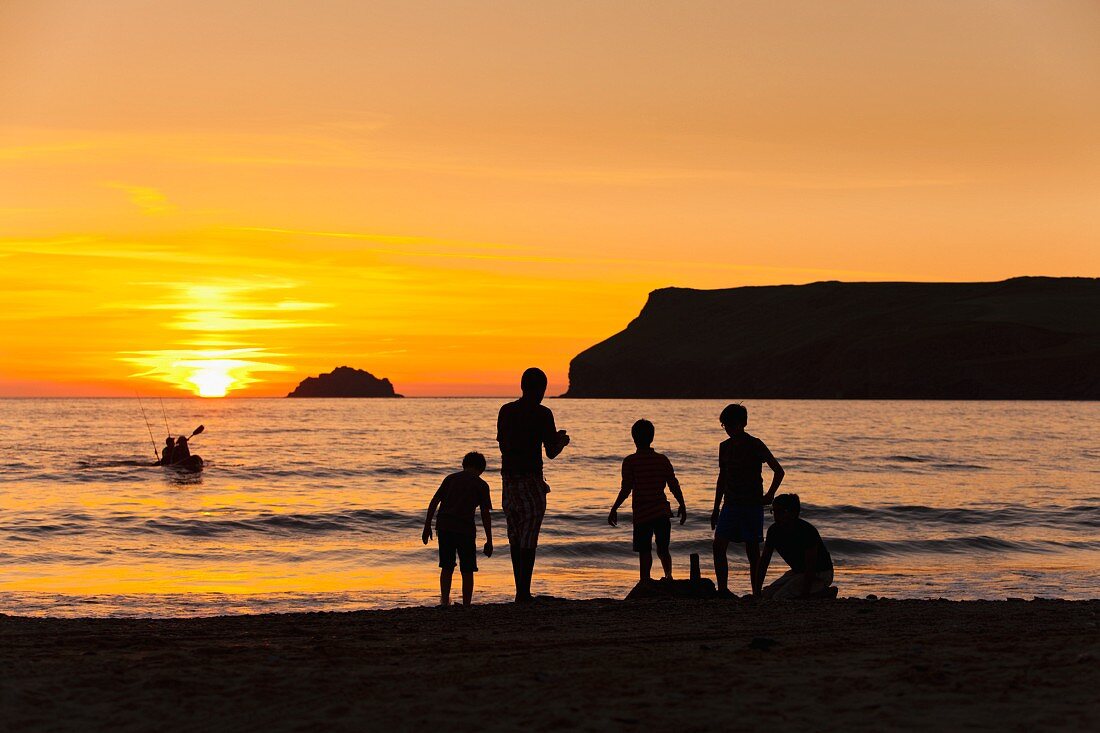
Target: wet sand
(681,665)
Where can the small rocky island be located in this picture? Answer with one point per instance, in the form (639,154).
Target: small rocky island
(344,382)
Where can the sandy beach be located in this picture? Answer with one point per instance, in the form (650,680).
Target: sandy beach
(684,665)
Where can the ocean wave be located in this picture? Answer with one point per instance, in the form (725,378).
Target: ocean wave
(107,463)
(839,547)
(357,520)
(1008,516)
(894,463)
(608,458)
(123,469)
(836,519)
(954,545)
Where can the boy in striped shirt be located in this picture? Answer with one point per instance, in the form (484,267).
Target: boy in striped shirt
(645,475)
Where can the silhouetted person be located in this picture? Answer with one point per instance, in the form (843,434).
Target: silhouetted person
(524,429)
(457,498)
(166,454)
(740,493)
(645,475)
(798,542)
(181,452)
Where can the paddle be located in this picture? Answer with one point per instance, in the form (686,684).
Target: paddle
(197,431)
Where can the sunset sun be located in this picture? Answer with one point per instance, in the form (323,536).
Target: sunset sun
(212,378)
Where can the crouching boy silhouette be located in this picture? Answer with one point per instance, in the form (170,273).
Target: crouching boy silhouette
(798,542)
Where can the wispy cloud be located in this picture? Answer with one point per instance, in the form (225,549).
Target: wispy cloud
(219,315)
(394,239)
(434,248)
(206,372)
(148,199)
(44,150)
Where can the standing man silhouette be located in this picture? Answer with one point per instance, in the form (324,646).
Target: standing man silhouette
(524,429)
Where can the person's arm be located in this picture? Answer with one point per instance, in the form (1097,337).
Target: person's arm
(487,523)
(554,440)
(502,429)
(717,505)
(432,506)
(717,493)
(628,485)
(777,475)
(674,487)
(762,567)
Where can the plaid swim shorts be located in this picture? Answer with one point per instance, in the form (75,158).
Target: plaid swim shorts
(523,498)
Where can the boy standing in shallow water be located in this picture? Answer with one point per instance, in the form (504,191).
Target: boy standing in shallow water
(740,494)
(645,475)
(457,498)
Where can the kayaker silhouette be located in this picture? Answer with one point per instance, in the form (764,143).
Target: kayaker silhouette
(181,452)
(166,454)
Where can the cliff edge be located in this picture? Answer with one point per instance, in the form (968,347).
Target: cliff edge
(1024,338)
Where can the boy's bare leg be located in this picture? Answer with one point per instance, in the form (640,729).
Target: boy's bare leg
(645,564)
(752,549)
(528,570)
(721,565)
(518,562)
(666,562)
(467,588)
(445,586)
(523,567)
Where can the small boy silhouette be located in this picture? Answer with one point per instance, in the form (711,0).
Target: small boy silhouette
(740,494)
(457,498)
(645,475)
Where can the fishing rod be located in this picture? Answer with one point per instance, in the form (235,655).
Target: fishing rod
(148,427)
(165,416)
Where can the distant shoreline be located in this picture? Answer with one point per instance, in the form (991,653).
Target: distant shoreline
(564,397)
(553,602)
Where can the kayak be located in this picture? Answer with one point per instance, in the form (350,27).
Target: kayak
(191,464)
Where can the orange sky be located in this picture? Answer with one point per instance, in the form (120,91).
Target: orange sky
(237,194)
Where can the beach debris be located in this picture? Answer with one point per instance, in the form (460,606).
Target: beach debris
(702,588)
(762,643)
(827,594)
(694,587)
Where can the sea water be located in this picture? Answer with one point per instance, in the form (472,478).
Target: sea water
(318,505)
